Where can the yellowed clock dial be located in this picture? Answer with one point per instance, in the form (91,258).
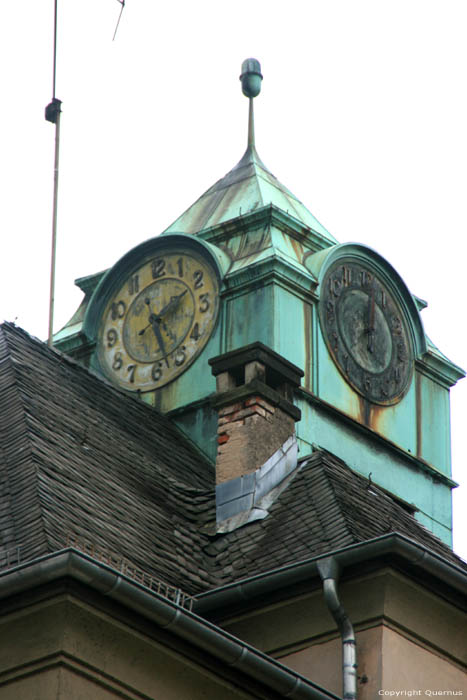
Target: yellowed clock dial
(158,321)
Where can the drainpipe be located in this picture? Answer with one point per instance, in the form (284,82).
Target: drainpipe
(329,571)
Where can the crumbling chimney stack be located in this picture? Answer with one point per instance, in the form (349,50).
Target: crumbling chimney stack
(256,423)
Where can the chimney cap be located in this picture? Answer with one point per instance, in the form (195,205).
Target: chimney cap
(275,363)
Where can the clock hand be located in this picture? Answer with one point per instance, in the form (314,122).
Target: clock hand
(168,331)
(173,303)
(154,321)
(371,321)
(143,330)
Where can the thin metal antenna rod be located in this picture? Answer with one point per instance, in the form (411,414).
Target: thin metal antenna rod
(52,114)
(251,124)
(55,50)
(122,3)
(54,228)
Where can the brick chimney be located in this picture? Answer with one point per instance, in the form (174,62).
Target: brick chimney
(257,447)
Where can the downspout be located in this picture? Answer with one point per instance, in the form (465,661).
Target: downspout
(329,571)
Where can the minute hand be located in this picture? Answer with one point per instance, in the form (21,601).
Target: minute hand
(154,321)
(371,321)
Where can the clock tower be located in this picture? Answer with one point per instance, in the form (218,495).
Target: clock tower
(248,263)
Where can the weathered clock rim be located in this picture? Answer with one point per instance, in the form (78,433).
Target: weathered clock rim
(123,269)
(371,260)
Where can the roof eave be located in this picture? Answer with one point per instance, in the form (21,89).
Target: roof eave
(204,635)
(266,214)
(395,544)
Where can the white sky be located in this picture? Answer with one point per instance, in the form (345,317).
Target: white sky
(362,115)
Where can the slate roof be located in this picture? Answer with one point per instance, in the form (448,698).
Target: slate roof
(78,456)
(326,507)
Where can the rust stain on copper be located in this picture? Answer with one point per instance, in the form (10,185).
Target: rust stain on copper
(298,250)
(364,411)
(418,410)
(307,311)
(375,416)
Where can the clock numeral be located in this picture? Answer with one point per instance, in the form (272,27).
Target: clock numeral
(366,278)
(180,356)
(367,385)
(335,286)
(158,268)
(383,299)
(396,325)
(198,277)
(118,361)
(330,311)
(402,353)
(396,375)
(133,284)
(195,332)
(156,371)
(118,310)
(112,337)
(203,303)
(346,275)
(131,370)
(335,341)
(345,363)
(180,267)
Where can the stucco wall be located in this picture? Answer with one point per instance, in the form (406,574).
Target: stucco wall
(411,666)
(66,649)
(402,629)
(323,662)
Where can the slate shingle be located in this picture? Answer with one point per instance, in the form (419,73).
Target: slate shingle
(79,456)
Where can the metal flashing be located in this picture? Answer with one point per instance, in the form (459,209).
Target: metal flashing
(248,498)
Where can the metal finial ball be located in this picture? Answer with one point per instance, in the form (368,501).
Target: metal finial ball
(251,77)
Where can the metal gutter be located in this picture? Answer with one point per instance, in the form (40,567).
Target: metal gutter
(392,543)
(200,633)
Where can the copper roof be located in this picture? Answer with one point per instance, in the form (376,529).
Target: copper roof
(247,187)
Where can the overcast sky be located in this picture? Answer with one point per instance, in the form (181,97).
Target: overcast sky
(362,115)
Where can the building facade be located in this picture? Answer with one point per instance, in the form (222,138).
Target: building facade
(225,479)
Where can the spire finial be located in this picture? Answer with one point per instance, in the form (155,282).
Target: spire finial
(251,87)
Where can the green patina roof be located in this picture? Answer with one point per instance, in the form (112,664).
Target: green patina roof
(248,186)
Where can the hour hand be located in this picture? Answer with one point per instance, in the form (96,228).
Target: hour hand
(147,301)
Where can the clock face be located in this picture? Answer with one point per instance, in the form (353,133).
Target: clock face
(158,321)
(366,332)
